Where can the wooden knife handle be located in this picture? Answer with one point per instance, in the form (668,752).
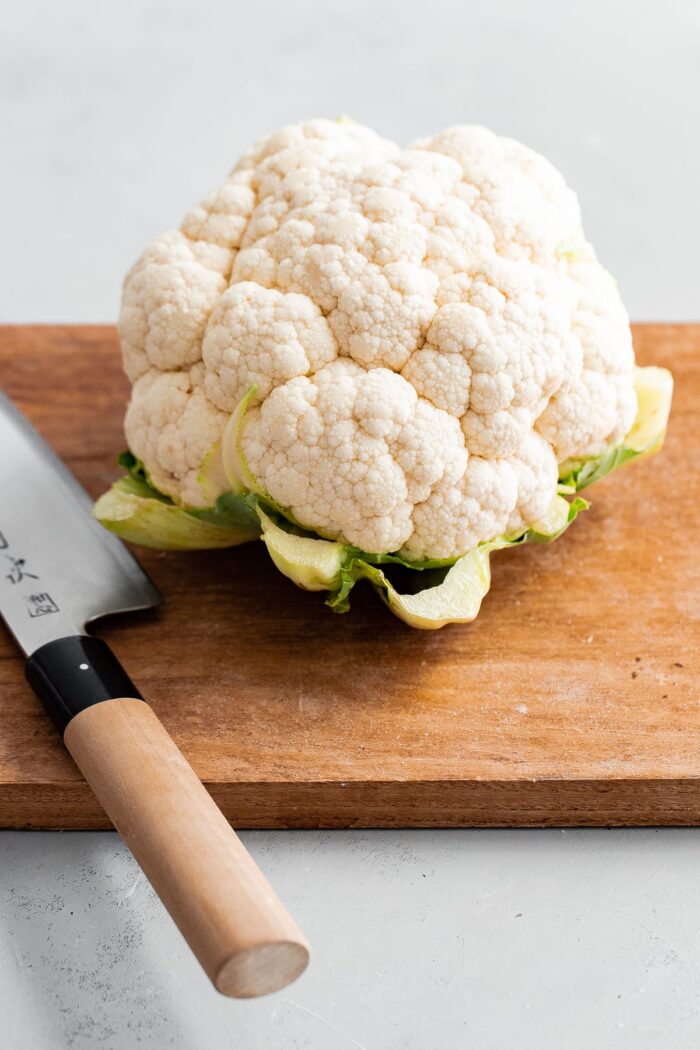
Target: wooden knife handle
(234,923)
(219,898)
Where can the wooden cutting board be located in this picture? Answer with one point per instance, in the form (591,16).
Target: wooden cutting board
(573,699)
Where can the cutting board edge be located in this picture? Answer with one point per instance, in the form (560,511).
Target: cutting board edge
(672,802)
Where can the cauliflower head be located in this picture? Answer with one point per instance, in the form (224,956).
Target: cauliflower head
(422,340)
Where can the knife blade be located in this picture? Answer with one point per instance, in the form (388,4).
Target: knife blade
(59,569)
(59,572)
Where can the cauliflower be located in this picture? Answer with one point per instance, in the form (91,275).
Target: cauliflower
(382,356)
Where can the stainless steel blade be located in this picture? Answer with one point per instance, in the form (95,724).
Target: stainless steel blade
(59,569)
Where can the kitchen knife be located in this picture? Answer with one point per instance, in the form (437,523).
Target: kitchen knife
(60,571)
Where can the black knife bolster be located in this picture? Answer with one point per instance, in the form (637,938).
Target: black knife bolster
(71,674)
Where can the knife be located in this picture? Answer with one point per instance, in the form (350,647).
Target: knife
(60,571)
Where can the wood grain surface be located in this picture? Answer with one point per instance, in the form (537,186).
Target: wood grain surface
(573,699)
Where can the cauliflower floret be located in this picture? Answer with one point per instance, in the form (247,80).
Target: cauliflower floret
(353,450)
(594,407)
(223,216)
(536,475)
(168,297)
(508,346)
(261,336)
(428,332)
(521,196)
(461,515)
(171,426)
(586,417)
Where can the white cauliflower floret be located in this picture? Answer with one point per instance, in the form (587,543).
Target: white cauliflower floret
(171,425)
(536,474)
(350,452)
(594,408)
(168,297)
(264,337)
(517,192)
(223,216)
(459,516)
(428,332)
(511,330)
(586,417)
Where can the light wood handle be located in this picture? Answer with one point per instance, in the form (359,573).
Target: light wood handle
(228,913)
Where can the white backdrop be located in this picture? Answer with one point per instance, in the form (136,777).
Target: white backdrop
(115,117)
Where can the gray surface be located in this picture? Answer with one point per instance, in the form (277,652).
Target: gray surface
(117,117)
(114,119)
(424,940)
